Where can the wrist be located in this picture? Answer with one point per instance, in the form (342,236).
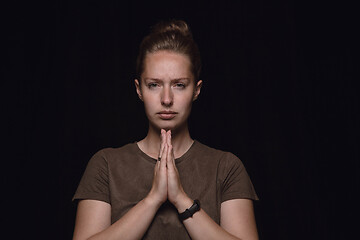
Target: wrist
(152,202)
(183,203)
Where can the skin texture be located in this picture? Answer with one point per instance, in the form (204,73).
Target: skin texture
(166,85)
(166,79)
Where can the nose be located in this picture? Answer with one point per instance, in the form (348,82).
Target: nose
(167,97)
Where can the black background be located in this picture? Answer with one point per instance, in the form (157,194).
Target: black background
(279,92)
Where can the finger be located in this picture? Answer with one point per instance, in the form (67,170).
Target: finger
(168,137)
(172,149)
(173,156)
(156,168)
(164,157)
(170,157)
(162,144)
(164,132)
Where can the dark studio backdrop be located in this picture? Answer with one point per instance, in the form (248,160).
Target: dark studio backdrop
(279,92)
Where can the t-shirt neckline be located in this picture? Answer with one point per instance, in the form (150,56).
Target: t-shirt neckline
(177,160)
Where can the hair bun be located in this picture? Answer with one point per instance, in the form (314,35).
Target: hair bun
(172,26)
(174,36)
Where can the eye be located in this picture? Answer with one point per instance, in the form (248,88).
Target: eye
(152,85)
(180,85)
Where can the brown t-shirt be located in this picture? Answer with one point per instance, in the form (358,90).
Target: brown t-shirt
(123,176)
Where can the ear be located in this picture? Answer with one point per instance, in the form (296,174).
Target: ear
(197,90)
(138,89)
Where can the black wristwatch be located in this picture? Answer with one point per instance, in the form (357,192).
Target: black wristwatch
(190,211)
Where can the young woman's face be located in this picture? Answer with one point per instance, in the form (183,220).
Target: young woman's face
(167,89)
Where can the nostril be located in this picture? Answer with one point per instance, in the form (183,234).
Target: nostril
(166,98)
(167,103)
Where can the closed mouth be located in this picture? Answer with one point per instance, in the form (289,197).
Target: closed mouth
(167,115)
(167,112)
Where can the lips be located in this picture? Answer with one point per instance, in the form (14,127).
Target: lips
(167,115)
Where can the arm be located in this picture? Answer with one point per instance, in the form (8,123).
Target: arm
(237,216)
(237,221)
(93,220)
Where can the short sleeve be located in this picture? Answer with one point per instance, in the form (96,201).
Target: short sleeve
(236,183)
(94,184)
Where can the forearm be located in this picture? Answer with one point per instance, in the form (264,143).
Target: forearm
(133,224)
(202,226)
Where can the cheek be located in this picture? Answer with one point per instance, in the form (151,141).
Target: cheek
(185,101)
(149,102)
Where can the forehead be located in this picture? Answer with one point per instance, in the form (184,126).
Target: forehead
(166,64)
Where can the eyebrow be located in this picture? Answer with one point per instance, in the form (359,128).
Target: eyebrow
(172,80)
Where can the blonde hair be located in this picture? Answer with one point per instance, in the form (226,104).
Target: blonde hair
(175,36)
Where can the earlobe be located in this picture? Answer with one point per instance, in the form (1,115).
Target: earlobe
(197,90)
(138,89)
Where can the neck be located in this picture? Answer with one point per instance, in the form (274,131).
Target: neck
(180,139)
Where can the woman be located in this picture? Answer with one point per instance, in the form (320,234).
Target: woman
(148,189)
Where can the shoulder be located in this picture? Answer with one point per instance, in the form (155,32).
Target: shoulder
(219,155)
(225,161)
(110,153)
(110,156)
(205,150)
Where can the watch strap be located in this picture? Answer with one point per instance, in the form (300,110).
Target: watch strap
(190,211)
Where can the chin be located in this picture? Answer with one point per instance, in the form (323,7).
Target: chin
(167,125)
